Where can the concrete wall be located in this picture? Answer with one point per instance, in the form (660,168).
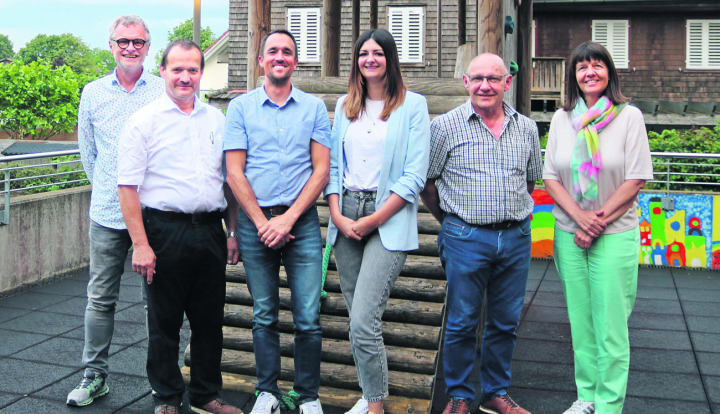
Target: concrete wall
(47,236)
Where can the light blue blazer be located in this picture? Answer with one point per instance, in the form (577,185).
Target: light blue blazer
(403,170)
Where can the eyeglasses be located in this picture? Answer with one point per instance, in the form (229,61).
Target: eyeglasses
(492,79)
(124,43)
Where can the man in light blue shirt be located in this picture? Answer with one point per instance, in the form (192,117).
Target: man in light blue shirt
(105,105)
(277,149)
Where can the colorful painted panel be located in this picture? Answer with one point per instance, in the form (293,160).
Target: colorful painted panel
(681,237)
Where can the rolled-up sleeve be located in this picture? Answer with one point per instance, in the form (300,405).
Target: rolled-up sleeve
(333,185)
(412,181)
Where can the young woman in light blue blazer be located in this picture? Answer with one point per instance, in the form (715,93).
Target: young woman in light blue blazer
(379,160)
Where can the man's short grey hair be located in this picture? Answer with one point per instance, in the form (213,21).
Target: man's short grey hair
(127,20)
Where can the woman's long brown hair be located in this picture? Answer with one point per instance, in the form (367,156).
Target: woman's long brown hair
(357,88)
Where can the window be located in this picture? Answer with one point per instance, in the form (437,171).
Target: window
(703,44)
(304,24)
(406,26)
(613,34)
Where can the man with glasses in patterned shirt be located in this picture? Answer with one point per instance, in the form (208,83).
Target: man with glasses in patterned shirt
(484,161)
(105,105)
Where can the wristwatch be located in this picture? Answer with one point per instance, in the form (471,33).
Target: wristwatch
(231,234)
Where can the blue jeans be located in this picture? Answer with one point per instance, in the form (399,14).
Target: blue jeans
(108,251)
(367,273)
(302,258)
(479,260)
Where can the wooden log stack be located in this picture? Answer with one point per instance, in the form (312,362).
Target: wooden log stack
(442,95)
(412,327)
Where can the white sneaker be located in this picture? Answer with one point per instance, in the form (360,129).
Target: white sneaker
(266,403)
(312,407)
(360,407)
(581,407)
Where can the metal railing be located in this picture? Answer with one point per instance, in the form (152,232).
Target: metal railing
(54,173)
(672,172)
(676,171)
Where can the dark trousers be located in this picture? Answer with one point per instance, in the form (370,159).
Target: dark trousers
(189,278)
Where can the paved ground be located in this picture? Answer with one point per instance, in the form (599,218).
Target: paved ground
(675,337)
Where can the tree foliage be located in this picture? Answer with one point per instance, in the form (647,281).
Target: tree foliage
(60,50)
(185,31)
(37,100)
(6,47)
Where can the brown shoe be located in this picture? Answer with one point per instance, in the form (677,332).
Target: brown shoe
(167,409)
(456,406)
(218,406)
(502,404)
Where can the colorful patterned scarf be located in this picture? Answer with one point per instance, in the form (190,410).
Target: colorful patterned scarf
(586,162)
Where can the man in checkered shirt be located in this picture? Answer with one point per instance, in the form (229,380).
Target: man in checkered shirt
(484,161)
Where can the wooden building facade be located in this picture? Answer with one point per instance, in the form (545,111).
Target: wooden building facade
(664,50)
(432,31)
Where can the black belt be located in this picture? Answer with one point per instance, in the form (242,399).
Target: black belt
(275,210)
(194,218)
(502,225)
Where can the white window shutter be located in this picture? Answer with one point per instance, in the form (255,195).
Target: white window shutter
(406,26)
(703,44)
(304,24)
(614,35)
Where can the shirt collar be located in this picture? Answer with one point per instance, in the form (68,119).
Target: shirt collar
(264,98)
(141,80)
(167,104)
(469,111)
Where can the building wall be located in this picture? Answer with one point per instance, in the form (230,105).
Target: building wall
(431,68)
(237,69)
(657,53)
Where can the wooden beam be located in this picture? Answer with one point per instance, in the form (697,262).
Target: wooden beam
(258,27)
(355,21)
(331,38)
(373,14)
(461,22)
(523,80)
(490,26)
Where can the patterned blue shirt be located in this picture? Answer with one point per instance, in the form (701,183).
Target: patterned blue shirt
(104,107)
(277,140)
(481,179)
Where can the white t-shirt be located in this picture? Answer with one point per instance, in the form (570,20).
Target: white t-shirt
(363,145)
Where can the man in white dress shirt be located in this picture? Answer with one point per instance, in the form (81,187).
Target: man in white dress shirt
(170,183)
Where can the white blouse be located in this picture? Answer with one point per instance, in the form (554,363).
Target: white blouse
(363,146)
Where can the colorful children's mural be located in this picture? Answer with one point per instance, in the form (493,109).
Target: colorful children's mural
(684,236)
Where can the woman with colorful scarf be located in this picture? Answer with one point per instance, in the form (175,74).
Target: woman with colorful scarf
(597,160)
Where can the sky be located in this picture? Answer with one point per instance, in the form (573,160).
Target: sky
(22,20)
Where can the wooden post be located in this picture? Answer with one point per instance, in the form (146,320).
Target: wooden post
(355,21)
(462,39)
(373,14)
(523,80)
(330,38)
(258,27)
(490,26)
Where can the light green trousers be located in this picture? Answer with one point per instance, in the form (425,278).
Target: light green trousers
(600,285)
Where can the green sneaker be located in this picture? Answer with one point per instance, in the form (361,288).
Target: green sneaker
(89,389)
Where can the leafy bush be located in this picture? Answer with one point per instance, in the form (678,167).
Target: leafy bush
(32,176)
(697,140)
(36,100)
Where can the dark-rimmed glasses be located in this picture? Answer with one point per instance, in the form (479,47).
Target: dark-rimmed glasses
(124,43)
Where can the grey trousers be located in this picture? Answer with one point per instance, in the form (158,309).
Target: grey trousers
(367,273)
